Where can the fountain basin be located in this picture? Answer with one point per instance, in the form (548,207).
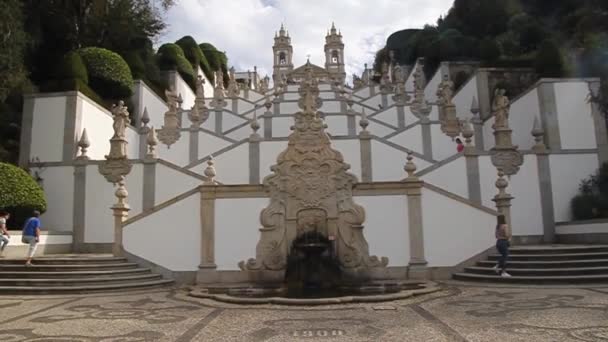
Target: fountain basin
(377,291)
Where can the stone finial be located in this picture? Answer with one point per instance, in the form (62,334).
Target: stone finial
(83,144)
(145,117)
(474,106)
(255,126)
(503,199)
(364,122)
(121,195)
(501,183)
(410,168)
(152,141)
(467,132)
(538,133)
(267,103)
(180,100)
(210,172)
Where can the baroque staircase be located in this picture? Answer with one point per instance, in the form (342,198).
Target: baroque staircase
(545,264)
(75,273)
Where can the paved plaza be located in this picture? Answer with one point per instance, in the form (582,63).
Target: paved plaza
(457,313)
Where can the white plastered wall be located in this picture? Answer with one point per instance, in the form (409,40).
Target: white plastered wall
(374,101)
(59,193)
(181,87)
(269,151)
(443,146)
(156,106)
(47,128)
(374,128)
(462,100)
(576,127)
(453,230)
(389,116)
(410,139)
(526,210)
(567,171)
(386,227)
(336,125)
(236,236)
(409,82)
(487,179)
(170,238)
(281,126)
(232,167)
(451,177)
(230,120)
(387,162)
(99,124)
(178,153)
(289,108)
(521,119)
(430,91)
(171,183)
(208,144)
(207,86)
(99,223)
(351,152)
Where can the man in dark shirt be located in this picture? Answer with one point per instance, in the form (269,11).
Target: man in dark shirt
(31,235)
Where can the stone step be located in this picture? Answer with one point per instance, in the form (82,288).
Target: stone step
(578,279)
(72,274)
(78,281)
(541,271)
(548,263)
(139,285)
(558,249)
(553,256)
(66,267)
(65,260)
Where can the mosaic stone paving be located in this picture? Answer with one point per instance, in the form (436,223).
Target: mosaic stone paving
(458,313)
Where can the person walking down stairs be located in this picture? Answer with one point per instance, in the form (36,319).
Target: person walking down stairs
(31,235)
(503,236)
(4,235)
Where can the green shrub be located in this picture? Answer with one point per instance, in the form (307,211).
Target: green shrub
(72,67)
(72,84)
(195,55)
(20,195)
(136,64)
(171,57)
(585,207)
(489,50)
(212,55)
(109,74)
(549,61)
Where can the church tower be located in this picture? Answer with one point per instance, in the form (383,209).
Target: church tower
(334,54)
(283,53)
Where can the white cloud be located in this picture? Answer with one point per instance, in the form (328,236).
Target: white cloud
(245,28)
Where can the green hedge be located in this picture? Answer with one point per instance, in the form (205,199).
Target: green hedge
(195,56)
(171,57)
(109,74)
(549,60)
(20,195)
(136,64)
(72,67)
(212,55)
(72,84)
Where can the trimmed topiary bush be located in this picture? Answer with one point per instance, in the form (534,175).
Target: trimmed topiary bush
(195,56)
(212,55)
(72,67)
(20,195)
(171,57)
(109,74)
(549,61)
(489,50)
(136,64)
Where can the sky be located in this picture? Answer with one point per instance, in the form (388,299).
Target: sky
(245,28)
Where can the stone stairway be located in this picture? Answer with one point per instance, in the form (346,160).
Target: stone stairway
(75,273)
(545,264)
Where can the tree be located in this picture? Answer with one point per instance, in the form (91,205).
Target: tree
(12,47)
(549,60)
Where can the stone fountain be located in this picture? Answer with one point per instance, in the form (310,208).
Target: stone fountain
(311,242)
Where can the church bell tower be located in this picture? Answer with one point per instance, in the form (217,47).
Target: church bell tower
(334,54)
(283,54)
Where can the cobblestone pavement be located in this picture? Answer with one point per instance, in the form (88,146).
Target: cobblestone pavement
(457,313)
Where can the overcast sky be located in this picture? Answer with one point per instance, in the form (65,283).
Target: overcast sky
(245,28)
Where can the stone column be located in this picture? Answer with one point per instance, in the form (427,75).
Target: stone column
(351,117)
(427,141)
(372,90)
(120,211)
(254,151)
(149,192)
(235,105)
(218,121)
(384,99)
(472,164)
(193,144)
(208,221)
(80,182)
(143,133)
(365,144)
(599,122)
(548,115)
(544,182)
(503,199)
(417,268)
(268,120)
(477,125)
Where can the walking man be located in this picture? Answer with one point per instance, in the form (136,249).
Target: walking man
(31,235)
(4,235)
(503,236)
